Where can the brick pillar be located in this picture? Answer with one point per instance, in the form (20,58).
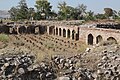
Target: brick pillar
(48,30)
(55,30)
(70,34)
(94,40)
(62,32)
(66,33)
(58,32)
(74,36)
(10,30)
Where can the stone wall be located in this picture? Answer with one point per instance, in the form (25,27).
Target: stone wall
(85,33)
(82,33)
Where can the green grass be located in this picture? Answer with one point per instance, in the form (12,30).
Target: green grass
(4,38)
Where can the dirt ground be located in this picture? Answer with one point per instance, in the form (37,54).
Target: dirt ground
(44,46)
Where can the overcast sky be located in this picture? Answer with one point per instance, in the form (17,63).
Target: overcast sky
(95,5)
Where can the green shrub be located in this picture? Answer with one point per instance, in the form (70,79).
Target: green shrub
(4,38)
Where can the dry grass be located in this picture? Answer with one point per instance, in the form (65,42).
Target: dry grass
(82,47)
(41,56)
(52,48)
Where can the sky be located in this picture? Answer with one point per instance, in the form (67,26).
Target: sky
(95,5)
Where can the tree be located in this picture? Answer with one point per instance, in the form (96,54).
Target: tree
(22,10)
(115,14)
(63,10)
(44,7)
(68,12)
(100,16)
(13,13)
(53,15)
(81,8)
(90,16)
(72,13)
(37,16)
(108,12)
(31,13)
(81,11)
(119,13)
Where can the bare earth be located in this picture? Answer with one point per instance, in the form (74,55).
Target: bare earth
(98,59)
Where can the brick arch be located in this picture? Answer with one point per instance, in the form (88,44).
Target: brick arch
(90,39)
(99,39)
(73,34)
(21,29)
(56,31)
(60,30)
(112,39)
(64,33)
(68,33)
(77,36)
(42,29)
(30,29)
(51,30)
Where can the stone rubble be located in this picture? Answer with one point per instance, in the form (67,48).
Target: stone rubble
(22,66)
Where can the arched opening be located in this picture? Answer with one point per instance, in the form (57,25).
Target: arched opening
(64,33)
(112,40)
(68,33)
(30,29)
(21,29)
(99,39)
(59,31)
(73,34)
(51,30)
(90,39)
(56,31)
(77,36)
(42,29)
(4,29)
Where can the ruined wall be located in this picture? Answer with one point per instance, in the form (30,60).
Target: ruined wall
(104,33)
(88,35)
(83,33)
(23,29)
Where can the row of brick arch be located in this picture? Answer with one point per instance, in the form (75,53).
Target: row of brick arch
(99,39)
(59,31)
(75,34)
(70,34)
(30,29)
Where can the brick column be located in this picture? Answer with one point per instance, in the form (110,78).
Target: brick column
(70,34)
(48,30)
(62,32)
(55,30)
(66,33)
(94,40)
(58,31)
